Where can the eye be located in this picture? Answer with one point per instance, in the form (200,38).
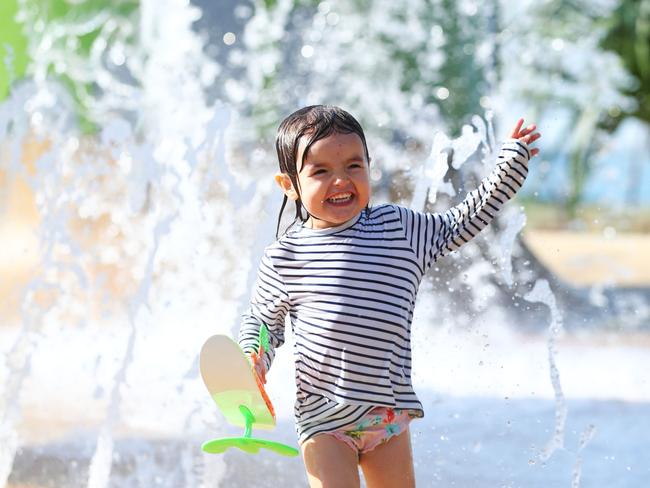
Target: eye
(355,166)
(318,172)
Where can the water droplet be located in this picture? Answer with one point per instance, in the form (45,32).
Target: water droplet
(557,44)
(442,93)
(333,18)
(609,232)
(324,7)
(614,111)
(307,51)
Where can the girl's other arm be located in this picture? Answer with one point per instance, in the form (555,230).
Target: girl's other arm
(269,306)
(439,234)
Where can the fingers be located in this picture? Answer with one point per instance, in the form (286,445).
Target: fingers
(529,139)
(515,131)
(261,374)
(526,135)
(518,132)
(261,370)
(527,130)
(258,366)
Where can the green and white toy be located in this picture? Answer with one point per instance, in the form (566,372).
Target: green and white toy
(239,395)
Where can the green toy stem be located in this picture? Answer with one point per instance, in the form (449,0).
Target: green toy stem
(249,418)
(247,443)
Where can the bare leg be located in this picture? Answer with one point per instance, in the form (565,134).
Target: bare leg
(330,463)
(390,465)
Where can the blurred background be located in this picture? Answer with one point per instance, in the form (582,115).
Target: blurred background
(136,196)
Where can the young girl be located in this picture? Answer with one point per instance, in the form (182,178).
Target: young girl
(347,275)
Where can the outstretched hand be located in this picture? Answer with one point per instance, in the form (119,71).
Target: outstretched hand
(258,364)
(527,135)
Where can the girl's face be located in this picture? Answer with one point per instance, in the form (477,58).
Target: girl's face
(334,184)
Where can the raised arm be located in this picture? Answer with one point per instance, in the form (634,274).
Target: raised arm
(433,235)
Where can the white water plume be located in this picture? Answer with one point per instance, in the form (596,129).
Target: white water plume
(446,152)
(542,293)
(516,221)
(144,182)
(586,436)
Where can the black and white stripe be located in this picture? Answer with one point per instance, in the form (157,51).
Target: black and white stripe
(349,292)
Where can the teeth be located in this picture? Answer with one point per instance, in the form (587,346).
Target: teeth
(340,198)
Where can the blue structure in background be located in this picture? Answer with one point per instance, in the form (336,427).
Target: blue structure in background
(620,175)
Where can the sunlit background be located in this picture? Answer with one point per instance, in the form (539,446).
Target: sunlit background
(136,196)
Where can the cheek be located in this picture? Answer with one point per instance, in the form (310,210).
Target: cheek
(312,189)
(363,180)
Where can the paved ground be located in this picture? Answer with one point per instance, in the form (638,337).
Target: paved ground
(583,258)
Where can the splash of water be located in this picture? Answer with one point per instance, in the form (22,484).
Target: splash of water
(542,293)
(516,221)
(151,178)
(446,152)
(35,306)
(585,438)
(9,444)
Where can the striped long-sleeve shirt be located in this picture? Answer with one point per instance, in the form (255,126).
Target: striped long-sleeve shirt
(349,292)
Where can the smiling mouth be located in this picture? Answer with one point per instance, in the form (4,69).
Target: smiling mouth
(340,198)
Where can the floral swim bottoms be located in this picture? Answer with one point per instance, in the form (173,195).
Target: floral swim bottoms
(375,428)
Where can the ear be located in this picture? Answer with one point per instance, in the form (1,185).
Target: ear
(284,182)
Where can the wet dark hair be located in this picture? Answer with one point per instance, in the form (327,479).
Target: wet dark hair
(315,122)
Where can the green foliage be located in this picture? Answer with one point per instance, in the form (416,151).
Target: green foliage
(60,12)
(13,47)
(594,92)
(461,73)
(412,64)
(629,36)
(74,44)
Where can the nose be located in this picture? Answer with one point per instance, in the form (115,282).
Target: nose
(340,178)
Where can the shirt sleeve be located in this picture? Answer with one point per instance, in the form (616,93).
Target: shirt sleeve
(433,235)
(268,306)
